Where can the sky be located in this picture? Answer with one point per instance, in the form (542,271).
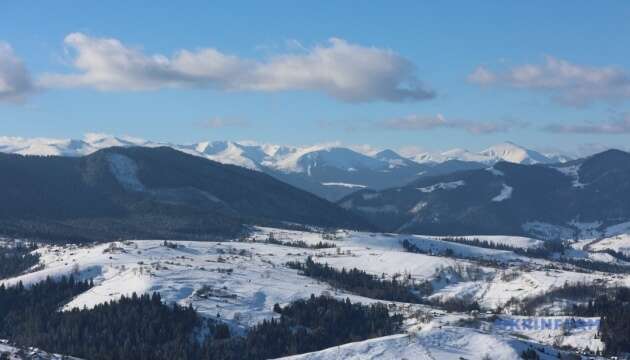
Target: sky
(410,75)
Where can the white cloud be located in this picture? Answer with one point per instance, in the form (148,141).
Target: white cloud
(618,126)
(482,76)
(345,71)
(219,122)
(419,123)
(568,83)
(15,80)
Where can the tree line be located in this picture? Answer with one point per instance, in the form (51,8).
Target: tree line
(14,260)
(364,284)
(144,328)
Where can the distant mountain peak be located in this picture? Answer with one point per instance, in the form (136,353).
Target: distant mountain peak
(511,152)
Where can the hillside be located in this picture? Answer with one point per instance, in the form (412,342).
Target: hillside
(542,200)
(330,171)
(150,193)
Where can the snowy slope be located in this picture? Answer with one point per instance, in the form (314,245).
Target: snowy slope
(506,151)
(16,353)
(242,280)
(439,343)
(452,154)
(513,153)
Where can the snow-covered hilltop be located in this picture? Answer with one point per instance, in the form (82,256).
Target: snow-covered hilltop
(506,151)
(239,282)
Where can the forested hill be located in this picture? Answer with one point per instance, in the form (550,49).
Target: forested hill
(542,200)
(144,192)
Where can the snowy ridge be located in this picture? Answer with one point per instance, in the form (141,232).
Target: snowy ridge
(513,153)
(297,159)
(506,151)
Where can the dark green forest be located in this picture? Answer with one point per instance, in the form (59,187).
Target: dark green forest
(144,328)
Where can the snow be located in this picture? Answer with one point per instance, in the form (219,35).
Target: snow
(619,243)
(347,185)
(443,186)
(513,241)
(506,151)
(125,171)
(572,171)
(453,154)
(247,278)
(227,152)
(434,343)
(418,207)
(15,353)
(505,194)
(495,172)
(242,280)
(554,330)
(259,156)
(392,158)
(513,153)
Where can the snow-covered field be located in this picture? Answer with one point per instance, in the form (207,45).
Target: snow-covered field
(14,353)
(240,281)
(436,343)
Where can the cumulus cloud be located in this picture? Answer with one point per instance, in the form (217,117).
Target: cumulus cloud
(339,69)
(568,83)
(15,80)
(419,123)
(618,126)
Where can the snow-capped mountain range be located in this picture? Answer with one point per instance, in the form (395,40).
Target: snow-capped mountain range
(506,151)
(328,170)
(283,158)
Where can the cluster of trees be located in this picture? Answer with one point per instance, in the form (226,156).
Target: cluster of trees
(299,243)
(456,305)
(136,327)
(616,254)
(304,326)
(612,305)
(568,292)
(24,310)
(410,247)
(614,312)
(549,247)
(17,259)
(597,265)
(143,327)
(547,251)
(364,284)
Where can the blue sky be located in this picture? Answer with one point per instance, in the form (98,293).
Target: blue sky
(433,75)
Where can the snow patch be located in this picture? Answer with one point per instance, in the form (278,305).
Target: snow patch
(505,194)
(125,170)
(443,186)
(495,172)
(418,207)
(572,171)
(346,185)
